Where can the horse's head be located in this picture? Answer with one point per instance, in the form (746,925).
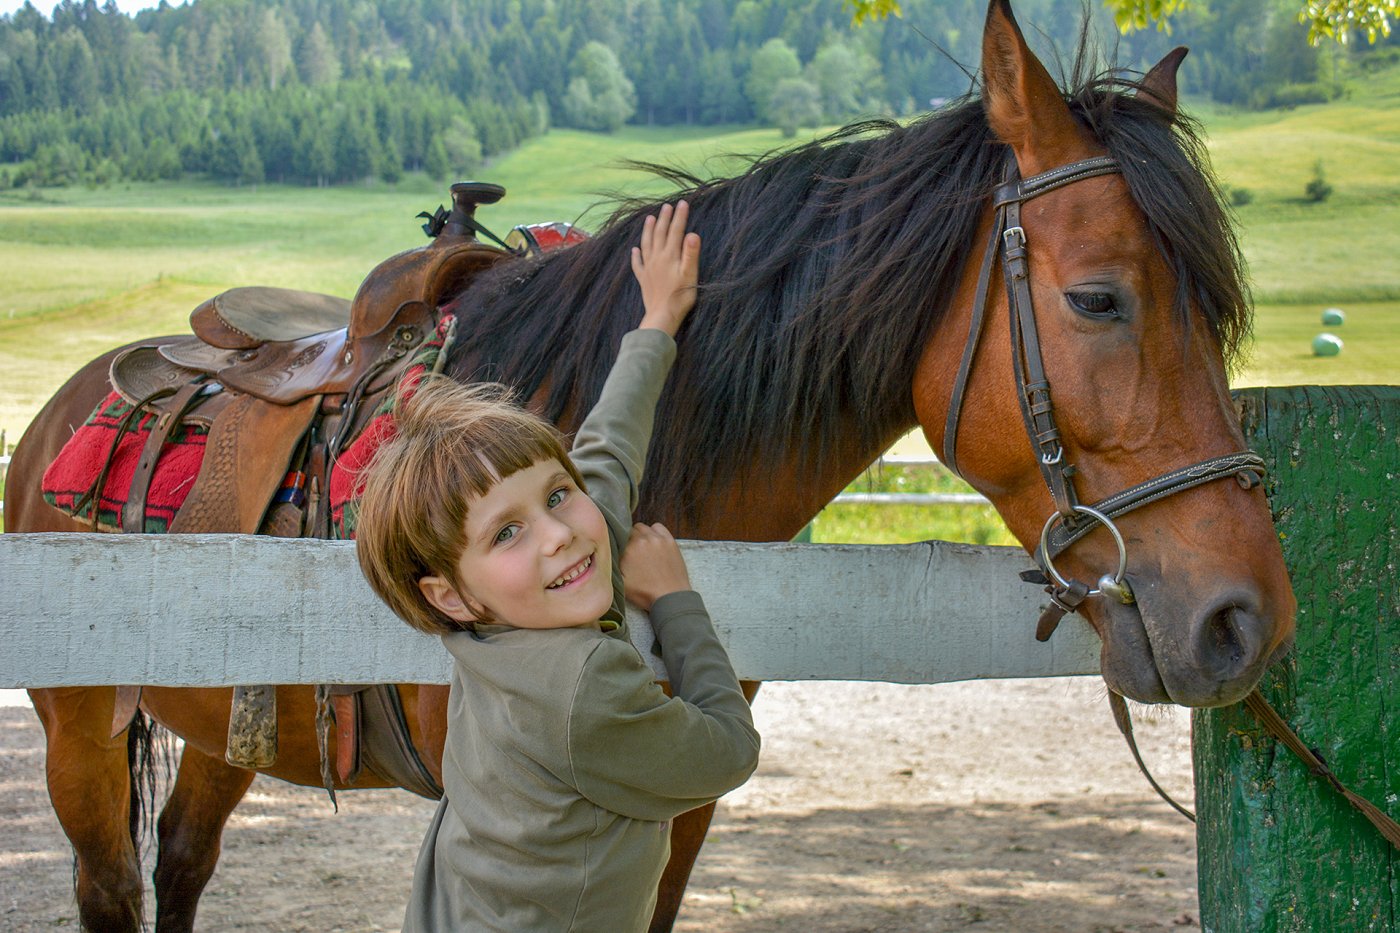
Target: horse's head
(1138,298)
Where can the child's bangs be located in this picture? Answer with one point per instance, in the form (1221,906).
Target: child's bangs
(508,449)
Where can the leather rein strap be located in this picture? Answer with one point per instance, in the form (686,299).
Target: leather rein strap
(1072,520)
(1276,726)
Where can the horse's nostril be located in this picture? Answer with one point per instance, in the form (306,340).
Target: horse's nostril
(1222,634)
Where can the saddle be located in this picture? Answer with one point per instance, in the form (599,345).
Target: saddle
(281,381)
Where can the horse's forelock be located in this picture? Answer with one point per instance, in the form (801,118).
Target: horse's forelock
(1168,174)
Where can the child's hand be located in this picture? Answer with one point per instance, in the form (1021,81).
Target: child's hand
(652,566)
(667,266)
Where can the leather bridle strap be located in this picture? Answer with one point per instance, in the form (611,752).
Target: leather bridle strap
(1032,383)
(974,336)
(1247,468)
(1006,202)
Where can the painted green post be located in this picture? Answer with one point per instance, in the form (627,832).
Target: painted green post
(1278,850)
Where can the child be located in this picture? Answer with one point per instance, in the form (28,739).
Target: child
(564,760)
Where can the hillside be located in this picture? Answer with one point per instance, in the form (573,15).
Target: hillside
(92,268)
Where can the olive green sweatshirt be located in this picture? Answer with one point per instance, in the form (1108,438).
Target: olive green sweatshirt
(565,761)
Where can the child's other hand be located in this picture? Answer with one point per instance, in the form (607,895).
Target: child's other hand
(667,266)
(652,566)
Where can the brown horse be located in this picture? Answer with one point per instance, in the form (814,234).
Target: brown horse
(841,290)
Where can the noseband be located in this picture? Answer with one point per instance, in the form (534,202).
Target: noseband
(1071,519)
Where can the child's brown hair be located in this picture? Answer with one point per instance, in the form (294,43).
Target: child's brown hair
(453,442)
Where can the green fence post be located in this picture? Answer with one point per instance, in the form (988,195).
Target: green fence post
(1278,850)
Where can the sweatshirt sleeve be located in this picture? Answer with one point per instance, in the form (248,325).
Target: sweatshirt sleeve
(610,448)
(637,752)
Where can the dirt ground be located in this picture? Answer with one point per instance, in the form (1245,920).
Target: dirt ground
(996,806)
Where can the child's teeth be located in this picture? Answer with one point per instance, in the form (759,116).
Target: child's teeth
(572,575)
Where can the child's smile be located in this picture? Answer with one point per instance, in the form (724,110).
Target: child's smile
(575,574)
(537,553)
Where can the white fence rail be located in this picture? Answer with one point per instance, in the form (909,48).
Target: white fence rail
(912,498)
(206,610)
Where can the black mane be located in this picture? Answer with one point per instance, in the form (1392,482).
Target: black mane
(824,269)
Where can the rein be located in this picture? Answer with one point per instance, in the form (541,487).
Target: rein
(1071,519)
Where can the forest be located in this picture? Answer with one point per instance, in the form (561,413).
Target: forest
(321,92)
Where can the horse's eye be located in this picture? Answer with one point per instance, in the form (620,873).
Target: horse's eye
(1093,304)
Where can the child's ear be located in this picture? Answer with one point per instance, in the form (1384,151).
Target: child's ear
(443,596)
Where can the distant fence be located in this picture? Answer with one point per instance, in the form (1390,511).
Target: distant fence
(910,498)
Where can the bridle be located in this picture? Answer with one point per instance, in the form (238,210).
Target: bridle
(1071,520)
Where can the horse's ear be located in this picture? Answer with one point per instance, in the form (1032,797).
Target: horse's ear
(1159,84)
(1025,108)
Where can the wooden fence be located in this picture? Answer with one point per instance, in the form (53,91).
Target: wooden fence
(204,610)
(1278,850)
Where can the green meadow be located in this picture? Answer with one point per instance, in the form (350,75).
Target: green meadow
(87,269)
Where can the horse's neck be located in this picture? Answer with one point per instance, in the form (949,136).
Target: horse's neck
(764,503)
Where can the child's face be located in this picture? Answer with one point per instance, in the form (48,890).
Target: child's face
(537,555)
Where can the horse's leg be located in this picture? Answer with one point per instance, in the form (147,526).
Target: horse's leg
(687,836)
(190,829)
(90,787)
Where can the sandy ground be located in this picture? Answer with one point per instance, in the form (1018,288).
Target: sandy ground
(995,806)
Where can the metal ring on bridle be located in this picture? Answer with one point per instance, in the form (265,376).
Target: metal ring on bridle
(1112,529)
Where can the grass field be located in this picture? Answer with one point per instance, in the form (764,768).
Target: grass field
(85,270)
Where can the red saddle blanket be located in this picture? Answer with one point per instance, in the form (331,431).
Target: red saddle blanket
(346,482)
(69,483)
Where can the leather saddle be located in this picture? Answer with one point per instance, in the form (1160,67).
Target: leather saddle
(284,379)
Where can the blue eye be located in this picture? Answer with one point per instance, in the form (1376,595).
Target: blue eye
(557,497)
(505,534)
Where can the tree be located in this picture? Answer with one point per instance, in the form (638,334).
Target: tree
(319,64)
(390,162)
(1326,19)
(76,71)
(314,158)
(461,150)
(162,160)
(599,96)
(795,103)
(1317,189)
(848,80)
(274,47)
(356,147)
(250,166)
(435,163)
(721,96)
(773,63)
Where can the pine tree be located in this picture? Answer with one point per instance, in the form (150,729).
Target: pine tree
(318,62)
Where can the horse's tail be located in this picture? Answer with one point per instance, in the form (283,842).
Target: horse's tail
(149,762)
